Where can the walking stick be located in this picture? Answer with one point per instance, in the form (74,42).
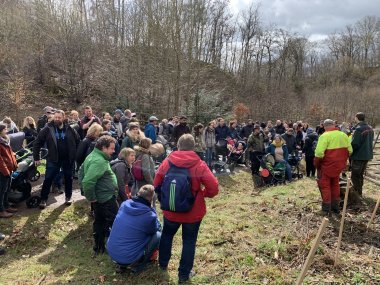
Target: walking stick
(312,251)
(374,213)
(342,221)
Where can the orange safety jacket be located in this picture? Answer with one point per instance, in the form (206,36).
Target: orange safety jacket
(332,152)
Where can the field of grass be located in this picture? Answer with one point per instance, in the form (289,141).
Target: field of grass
(246,238)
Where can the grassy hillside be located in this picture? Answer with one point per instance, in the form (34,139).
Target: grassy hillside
(262,238)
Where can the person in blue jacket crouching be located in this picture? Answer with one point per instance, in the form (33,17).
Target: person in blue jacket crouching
(136,232)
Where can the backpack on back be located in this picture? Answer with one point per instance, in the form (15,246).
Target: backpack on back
(137,170)
(175,192)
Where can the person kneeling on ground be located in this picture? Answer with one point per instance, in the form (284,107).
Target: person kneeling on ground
(136,232)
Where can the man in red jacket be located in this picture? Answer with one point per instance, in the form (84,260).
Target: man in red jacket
(203,184)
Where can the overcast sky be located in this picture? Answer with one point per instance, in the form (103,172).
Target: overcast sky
(313,18)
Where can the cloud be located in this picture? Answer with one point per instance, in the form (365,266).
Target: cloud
(314,18)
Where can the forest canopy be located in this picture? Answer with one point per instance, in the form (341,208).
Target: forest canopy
(190,57)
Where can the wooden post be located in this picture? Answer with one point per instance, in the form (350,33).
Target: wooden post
(374,213)
(342,221)
(312,251)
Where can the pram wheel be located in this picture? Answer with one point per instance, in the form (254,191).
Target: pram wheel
(35,176)
(300,175)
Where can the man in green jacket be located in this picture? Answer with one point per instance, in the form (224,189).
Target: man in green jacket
(99,185)
(362,141)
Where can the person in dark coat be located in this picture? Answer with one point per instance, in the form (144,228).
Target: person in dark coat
(88,119)
(247,130)
(309,149)
(87,145)
(61,141)
(362,141)
(181,129)
(221,134)
(29,129)
(122,167)
(290,140)
(43,120)
(279,128)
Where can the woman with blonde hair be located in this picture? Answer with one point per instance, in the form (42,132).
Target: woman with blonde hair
(29,129)
(280,152)
(133,136)
(122,167)
(87,145)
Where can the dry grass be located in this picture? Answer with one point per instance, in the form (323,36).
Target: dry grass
(244,239)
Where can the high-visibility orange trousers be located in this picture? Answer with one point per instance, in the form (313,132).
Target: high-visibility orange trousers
(329,187)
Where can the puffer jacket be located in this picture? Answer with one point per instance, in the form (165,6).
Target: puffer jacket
(209,136)
(134,225)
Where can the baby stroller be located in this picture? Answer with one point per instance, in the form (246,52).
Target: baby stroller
(26,173)
(236,154)
(294,162)
(271,173)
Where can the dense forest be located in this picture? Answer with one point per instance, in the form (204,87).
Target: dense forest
(191,57)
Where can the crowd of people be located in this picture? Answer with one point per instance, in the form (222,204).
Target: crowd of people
(113,159)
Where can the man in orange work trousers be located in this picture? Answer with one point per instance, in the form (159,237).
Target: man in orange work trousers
(331,154)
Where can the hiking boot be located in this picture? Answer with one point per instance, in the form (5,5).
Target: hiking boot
(335,207)
(11,210)
(2,251)
(68,201)
(5,214)
(182,279)
(42,204)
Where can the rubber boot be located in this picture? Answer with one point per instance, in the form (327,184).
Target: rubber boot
(335,207)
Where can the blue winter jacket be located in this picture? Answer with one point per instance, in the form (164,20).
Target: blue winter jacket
(150,132)
(133,228)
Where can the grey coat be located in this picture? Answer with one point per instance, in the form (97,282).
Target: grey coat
(148,169)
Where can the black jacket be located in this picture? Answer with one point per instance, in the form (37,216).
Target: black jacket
(279,129)
(85,147)
(47,136)
(246,131)
(308,146)
(30,134)
(179,131)
(290,142)
(362,141)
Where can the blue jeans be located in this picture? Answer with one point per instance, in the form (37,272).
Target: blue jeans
(288,171)
(58,179)
(5,185)
(189,240)
(209,152)
(52,170)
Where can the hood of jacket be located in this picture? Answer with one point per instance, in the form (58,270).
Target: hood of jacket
(184,158)
(135,208)
(313,136)
(5,141)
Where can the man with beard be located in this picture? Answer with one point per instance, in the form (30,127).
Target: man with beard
(88,119)
(279,128)
(61,141)
(181,129)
